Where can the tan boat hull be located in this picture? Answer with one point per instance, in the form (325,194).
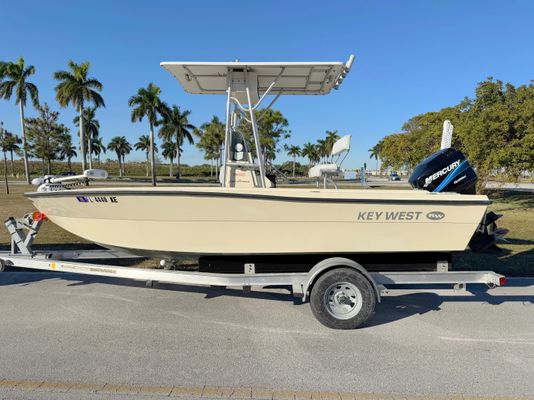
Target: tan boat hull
(164,220)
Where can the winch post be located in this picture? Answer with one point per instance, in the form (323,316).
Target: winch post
(22,232)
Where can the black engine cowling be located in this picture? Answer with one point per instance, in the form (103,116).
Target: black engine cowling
(446,170)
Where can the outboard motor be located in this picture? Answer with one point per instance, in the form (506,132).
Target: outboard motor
(447,170)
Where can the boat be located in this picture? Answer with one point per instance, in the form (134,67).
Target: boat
(211,220)
(246,216)
(341,249)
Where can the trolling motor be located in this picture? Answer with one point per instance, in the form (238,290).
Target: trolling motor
(52,183)
(448,170)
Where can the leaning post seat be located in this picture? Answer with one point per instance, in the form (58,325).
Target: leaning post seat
(340,148)
(319,170)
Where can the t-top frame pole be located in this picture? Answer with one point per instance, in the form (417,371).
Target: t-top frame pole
(255,133)
(228,128)
(240,113)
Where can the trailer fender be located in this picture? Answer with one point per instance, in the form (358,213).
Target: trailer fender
(331,263)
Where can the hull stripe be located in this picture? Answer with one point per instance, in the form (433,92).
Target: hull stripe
(428,201)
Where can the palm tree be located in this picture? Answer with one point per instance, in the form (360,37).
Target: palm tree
(169,152)
(177,127)
(11,144)
(146,103)
(14,148)
(67,149)
(13,78)
(91,129)
(144,145)
(293,151)
(322,148)
(98,147)
(331,138)
(375,152)
(76,88)
(4,149)
(121,147)
(311,151)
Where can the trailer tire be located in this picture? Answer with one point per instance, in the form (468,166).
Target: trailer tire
(342,298)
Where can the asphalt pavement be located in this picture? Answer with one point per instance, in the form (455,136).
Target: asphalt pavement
(91,337)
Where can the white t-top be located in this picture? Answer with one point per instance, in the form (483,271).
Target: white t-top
(311,78)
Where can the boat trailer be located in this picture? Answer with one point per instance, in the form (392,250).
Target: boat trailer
(339,289)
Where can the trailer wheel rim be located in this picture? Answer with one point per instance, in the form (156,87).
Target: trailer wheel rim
(343,300)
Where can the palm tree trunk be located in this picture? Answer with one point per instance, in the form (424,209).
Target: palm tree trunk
(178,172)
(293,167)
(147,163)
(170,167)
(43,166)
(90,151)
(120,164)
(49,167)
(5,172)
(12,164)
(152,158)
(70,166)
(82,138)
(24,151)
(177,159)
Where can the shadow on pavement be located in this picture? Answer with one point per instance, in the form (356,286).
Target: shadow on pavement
(14,276)
(391,308)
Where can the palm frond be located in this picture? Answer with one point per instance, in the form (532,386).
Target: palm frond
(16,74)
(30,70)
(63,76)
(95,97)
(6,89)
(94,84)
(74,87)
(34,93)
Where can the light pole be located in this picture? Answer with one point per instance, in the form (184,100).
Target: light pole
(4,143)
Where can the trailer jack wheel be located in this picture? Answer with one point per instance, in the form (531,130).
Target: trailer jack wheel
(342,299)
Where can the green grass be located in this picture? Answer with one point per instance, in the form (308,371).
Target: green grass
(131,169)
(515,259)
(16,205)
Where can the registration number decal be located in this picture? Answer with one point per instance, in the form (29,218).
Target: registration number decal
(97,199)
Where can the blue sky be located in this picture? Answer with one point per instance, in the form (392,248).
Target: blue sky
(411,56)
